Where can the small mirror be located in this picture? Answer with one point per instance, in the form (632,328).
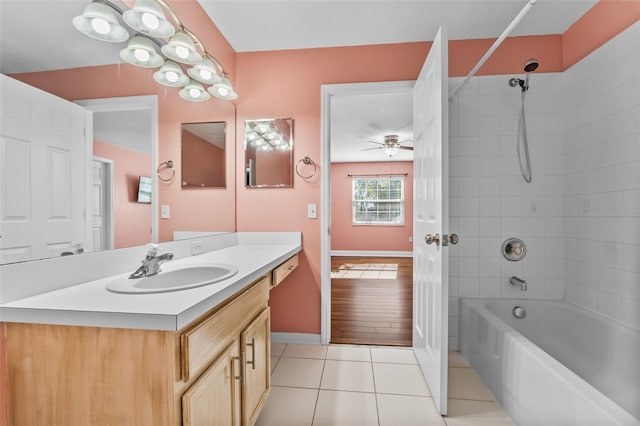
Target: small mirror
(203,155)
(268,153)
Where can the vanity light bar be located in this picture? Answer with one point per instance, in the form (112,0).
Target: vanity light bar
(265,136)
(101,20)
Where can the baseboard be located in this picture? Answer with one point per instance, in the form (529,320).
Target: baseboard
(296,338)
(357,253)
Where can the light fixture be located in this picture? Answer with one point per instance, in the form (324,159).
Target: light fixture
(194,91)
(223,90)
(181,49)
(390,151)
(147,18)
(140,52)
(205,72)
(284,147)
(101,22)
(170,74)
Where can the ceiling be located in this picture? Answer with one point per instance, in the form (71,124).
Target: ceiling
(47,40)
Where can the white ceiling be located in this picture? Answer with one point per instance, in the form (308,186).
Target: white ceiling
(37,35)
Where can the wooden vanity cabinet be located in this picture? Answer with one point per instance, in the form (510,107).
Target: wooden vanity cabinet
(214,372)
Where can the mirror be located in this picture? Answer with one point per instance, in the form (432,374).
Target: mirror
(268,153)
(203,155)
(48,64)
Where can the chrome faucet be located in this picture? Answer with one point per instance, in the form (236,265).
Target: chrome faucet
(518,282)
(151,263)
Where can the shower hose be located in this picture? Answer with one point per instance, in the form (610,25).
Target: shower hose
(522,142)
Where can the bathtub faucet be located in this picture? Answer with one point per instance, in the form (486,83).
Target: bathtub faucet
(518,282)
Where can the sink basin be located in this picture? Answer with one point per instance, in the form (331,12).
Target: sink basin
(174,279)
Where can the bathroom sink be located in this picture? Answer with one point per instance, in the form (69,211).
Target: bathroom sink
(173,279)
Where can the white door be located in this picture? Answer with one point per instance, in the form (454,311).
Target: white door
(431,217)
(102,204)
(42,170)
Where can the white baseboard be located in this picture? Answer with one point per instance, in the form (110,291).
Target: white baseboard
(356,253)
(296,338)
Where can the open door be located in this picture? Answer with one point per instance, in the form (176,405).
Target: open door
(431,220)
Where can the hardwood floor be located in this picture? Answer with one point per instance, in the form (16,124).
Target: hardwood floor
(368,305)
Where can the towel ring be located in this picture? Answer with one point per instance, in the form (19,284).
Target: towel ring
(306,160)
(166,165)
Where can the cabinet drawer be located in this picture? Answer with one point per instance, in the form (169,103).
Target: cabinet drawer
(282,271)
(200,344)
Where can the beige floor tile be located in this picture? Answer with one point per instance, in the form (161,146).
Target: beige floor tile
(457,360)
(475,413)
(464,384)
(395,355)
(277,349)
(274,362)
(288,406)
(298,372)
(395,410)
(305,351)
(347,376)
(349,353)
(401,379)
(336,408)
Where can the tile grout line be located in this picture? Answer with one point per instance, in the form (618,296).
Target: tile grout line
(315,407)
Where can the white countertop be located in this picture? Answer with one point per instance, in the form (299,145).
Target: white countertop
(90,304)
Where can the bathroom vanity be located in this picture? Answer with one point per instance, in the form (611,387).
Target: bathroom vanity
(200,356)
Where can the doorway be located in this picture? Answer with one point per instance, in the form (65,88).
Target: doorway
(349,290)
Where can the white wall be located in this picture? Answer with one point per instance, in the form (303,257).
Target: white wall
(489,199)
(580,217)
(602,206)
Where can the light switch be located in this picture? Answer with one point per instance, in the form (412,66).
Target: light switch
(164,211)
(312,211)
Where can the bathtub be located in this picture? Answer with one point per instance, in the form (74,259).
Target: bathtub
(559,365)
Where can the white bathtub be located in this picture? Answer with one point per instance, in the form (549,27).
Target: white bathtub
(559,365)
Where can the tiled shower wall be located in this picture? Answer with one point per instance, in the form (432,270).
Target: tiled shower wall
(580,217)
(490,201)
(602,203)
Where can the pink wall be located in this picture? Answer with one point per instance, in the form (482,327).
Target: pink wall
(205,160)
(127,80)
(345,235)
(132,220)
(601,23)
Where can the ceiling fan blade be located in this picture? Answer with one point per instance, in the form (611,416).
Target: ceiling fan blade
(369,149)
(406,141)
(409,148)
(377,143)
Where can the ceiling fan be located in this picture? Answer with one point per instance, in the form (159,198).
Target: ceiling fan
(391,145)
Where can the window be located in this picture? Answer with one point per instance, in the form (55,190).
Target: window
(378,201)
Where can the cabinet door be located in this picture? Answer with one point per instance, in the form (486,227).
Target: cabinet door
(214,399)
(256,348)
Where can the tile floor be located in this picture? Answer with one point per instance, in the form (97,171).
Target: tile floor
(360,385)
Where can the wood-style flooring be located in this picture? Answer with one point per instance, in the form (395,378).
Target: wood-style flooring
(371,311)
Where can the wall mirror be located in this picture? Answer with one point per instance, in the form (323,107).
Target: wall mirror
(109,78)
(268,153)
(203,155)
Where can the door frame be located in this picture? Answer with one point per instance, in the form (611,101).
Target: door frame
(134,103)
(328,91)
(108,195)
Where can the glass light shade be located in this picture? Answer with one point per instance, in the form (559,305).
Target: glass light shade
(257,142)
(223,90)
(140,52)
(100,22)
(261,127)
(390,151)
(283,147)
(251,135)
(170,74)
(277,140)
(194,91)
(205,72)
(181,49)
(265,147)
(147,17)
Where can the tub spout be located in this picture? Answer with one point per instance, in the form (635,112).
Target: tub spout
(518,282)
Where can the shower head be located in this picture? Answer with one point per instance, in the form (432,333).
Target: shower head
(531,65)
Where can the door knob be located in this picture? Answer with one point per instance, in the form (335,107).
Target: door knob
(453,239)
(430,239)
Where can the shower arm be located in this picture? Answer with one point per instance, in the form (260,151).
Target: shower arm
(496,44)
